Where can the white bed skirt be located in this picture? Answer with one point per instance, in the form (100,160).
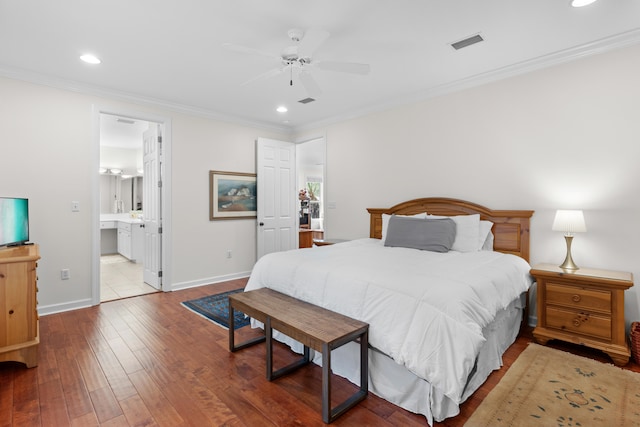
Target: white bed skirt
(396,384)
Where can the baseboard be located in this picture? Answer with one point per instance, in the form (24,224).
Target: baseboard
(209,281)
(67,306)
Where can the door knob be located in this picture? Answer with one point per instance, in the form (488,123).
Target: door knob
(261,224)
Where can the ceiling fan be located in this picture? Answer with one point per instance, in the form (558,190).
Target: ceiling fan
(299,56)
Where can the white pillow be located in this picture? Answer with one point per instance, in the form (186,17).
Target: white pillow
(385,222)
(488,244)
(485,238)
(467,232)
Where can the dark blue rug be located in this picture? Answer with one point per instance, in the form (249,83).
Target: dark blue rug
(216,308)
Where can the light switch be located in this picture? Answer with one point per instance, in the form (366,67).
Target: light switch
(75,206)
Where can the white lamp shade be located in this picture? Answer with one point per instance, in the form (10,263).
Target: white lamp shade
(569,221)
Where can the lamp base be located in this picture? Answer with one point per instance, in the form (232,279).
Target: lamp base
(568,263)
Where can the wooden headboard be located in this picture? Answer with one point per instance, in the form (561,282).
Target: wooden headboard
(510,228)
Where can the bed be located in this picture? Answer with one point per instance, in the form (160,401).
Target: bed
(440,319)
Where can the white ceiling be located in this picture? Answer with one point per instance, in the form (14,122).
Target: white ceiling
(170,52)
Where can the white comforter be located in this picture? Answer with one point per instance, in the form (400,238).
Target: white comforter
(426,310)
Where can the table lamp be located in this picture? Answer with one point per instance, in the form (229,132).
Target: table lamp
(569,221)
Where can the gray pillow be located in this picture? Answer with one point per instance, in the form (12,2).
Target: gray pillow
(435,235)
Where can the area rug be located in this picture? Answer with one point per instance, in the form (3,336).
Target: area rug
(547,387)
(216,308)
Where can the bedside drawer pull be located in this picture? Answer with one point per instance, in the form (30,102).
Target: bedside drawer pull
(576,298)
(580,319)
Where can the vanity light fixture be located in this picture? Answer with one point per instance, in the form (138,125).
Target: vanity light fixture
(581,3)
(110,171)
(569,221)
(282,109)
(90,59)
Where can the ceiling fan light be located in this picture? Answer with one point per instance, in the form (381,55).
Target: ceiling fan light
(282,109)
(581,3)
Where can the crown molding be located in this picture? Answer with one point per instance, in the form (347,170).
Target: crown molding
(597,47)
(86,89)
(560,57)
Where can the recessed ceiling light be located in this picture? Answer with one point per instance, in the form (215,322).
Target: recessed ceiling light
(90,59)
(580,3)
(282,109)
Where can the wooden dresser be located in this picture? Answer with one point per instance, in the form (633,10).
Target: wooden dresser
(584,306)
(19,336)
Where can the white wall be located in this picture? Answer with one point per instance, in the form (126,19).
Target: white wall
(562,137)
(47,155)
(200,245)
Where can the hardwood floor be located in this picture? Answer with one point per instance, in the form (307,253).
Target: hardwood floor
(147,361)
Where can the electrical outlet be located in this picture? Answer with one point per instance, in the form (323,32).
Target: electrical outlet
(65,274)
(229,253)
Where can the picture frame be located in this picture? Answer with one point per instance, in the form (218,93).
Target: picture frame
(232,195)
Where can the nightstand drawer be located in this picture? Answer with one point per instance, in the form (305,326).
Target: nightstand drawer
(583,323)
(575,297)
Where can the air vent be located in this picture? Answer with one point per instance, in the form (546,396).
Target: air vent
(126,121)
(467,42)
(306,100)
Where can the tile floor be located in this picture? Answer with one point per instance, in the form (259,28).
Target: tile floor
(121,278)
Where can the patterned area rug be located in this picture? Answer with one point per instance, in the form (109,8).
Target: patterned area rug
(216,308)
(547,387)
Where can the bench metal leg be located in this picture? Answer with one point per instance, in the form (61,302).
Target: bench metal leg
(232,346)
(271,375)
(330,414)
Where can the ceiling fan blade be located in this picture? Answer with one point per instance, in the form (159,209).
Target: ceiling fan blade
(344,67)
(312,40)
(264,76)
(310,85)
(248,50)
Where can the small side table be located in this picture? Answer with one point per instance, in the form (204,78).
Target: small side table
(327,242)
(584,306)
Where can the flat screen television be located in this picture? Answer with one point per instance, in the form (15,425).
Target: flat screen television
(14,221)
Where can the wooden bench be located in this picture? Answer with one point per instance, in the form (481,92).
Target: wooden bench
(315,327)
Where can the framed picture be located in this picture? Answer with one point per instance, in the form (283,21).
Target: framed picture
(232,195)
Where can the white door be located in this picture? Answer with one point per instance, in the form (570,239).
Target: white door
(276,182)
(152,205)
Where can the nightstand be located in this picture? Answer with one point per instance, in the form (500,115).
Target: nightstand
(327,242)
(584,306)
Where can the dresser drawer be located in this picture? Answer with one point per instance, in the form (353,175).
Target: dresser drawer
(583,323)
(579,298)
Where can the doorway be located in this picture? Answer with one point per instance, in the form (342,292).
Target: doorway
(121,208)
(310,170)
(126,205)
